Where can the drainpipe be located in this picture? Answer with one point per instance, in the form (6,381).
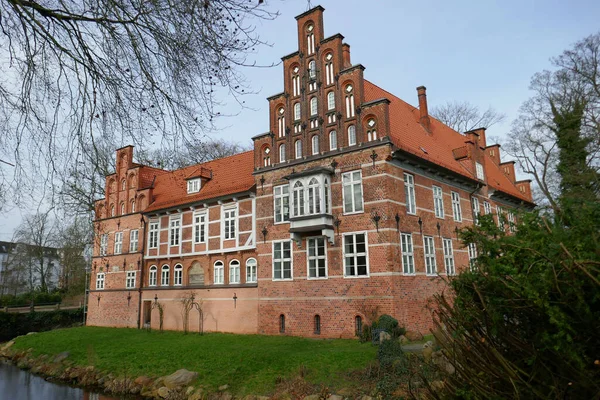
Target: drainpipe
(141,272)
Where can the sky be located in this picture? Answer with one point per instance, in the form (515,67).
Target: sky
(483,52)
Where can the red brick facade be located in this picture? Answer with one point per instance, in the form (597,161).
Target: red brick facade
(370,228)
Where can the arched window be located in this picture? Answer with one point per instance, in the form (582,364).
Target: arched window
(315,144)
(267,156)
(131,181)
(234,271)
(310,39)
(164,275)
(122,208)
(282,323)
(123,184)
(332,140)
(329,77)
(330,100)
(358,325)
(219,273)
(371,129)
(297,114)
(178,275)
(313,106)
(281,122)
(314,196)
(152,276)
(351,135)
(282,152)
(251,276)
(132,206)
(112,210)
(298,199)
(312,69)
(295,81)
(298,148)
(317,324)
(349,101)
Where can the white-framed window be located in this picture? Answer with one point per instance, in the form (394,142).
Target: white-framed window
(479,171)
(371,129)
(315,144)
(409,193)
(282,260)
(472,255)
(429,251)
(123,184)
(329,77)
(234,271)
(130,280)
(438,201)
(100,281)
(122,208)
(317,257)
(332,140)
(174,231)
(448,257)
(267,156)
(132,206)
(251,270)
(103,244)
(314,196)
(298,148)
(296,81)
(164,275)
(200,226)
(298,199)
(118,243)
(297,112)
(487,208)
(408,256)
(313,106)
(352,192)
(475,207)
(133,240)
(229,222)
(351,135)
(178,275)
(153,235)
(500,214)
(219,273)
(193,185)
(511,221)
(281,122)
(330,100)
(349,101)
(456,210)
(281,195)
(282,152)
(356,259)
(152,276)
(312,69)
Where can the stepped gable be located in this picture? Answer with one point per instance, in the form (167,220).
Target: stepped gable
(230,175)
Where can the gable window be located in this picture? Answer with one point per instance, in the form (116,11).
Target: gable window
(330,100)
(281,122)
(282,203)
(174,231)
(193,185)
(329,77)
(123,185)
(352,192)
(349,101)
(408,257)
(282,323)
(487,208)
(409,194)
(429,250)
(152,276)
(178,275)
(312,69)
(351,135)
(118,243)
(438,201)
(317,258)
(448,257)
(267,156)
(479,171)
(122,208)
(103,244)
(229,223)
(234,271)
(355,255)
(297,114)
(472,256)
(317,321)
(298,199)
(456,210)
(296,81)
(219,273)
(130,280)
(133,240)
(164,275)
(100,281)
(332,140)
(282,152)
(132,206)
(282,260)
(475,206)
(371,130)
(112,210)
(313,106)
(251,276)
(200,228)
(153,235)
(315,144)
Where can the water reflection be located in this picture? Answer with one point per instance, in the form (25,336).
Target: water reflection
(16,384)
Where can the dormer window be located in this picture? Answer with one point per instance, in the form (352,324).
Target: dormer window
(479,171)
(193,185)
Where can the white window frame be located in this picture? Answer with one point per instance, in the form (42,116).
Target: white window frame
(456,208)
(438,201)
(153,234)
(429,254)
(314,106)
(499,214)
(475,208)
(297,112)
(200,225)
(408,255)
(472,249)
(251,270)
(283,260)
(356,254)
(333,140)
(279,204)
(132,202)
(330,101)
(219,273)
(230,228)
(103,244)
(312,66)
(409,193)
(178,275)
(487,208)
(234,272)
(351,135)
(511,221)
(118,247)
(165,275)
(193,185)
(134,237)
(449,264)
(349,180)
(282,152)
(314,242)
(152,275)
(175,230)
(479,171)
(100,277)
(315,144)
(130,280)
(298,149)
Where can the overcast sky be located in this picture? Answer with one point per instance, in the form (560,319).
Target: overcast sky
(484,52)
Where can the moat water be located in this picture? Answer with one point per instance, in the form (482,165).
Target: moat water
(16,384)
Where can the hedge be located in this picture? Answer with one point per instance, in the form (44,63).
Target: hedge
(16,324)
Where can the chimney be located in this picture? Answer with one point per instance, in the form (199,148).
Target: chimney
(424,114)
(346,55)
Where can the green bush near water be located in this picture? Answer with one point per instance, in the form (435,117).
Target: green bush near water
(15,324)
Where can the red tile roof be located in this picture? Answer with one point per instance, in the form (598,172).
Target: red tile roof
(230,175)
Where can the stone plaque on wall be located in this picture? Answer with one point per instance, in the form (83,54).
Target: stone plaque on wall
(196,275)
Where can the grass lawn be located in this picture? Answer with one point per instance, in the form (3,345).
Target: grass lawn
(249,364)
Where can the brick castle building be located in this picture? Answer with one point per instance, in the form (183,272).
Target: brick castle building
(347,207)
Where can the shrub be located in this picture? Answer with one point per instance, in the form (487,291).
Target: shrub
(15,324)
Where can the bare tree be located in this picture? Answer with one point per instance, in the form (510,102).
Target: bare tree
(74,241)
(464,116)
